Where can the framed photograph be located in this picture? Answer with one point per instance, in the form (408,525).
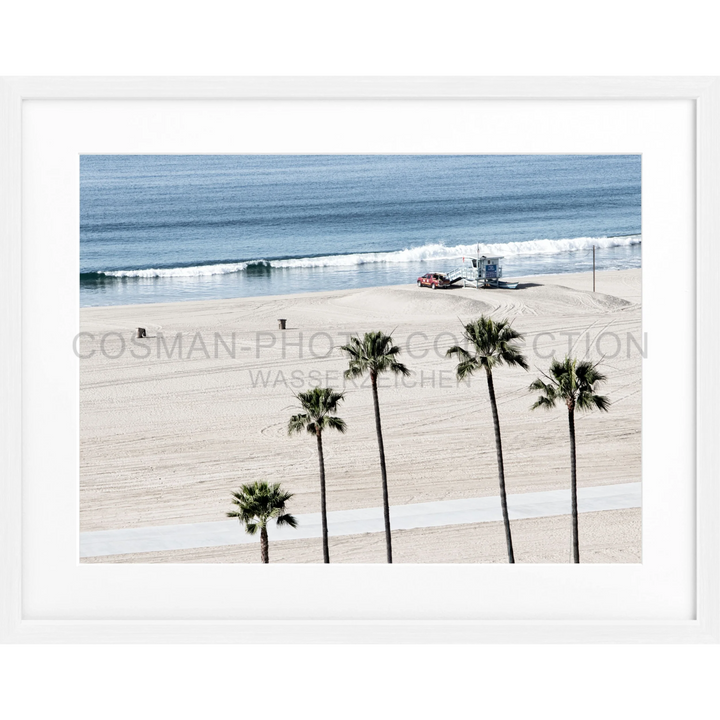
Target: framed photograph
(438,352)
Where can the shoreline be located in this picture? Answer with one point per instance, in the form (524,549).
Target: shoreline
(573,277)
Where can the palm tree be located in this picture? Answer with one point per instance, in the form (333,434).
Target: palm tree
(573,383)
(493,344)
(375,354)
(320,406)
(258,503)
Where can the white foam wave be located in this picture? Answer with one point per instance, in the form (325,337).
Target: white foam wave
(438,251)
(424,253)
(195,271)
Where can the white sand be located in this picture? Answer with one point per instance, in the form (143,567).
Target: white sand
(165,441)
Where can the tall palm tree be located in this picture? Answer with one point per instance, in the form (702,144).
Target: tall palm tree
(320,406)
(258,503)
(573,383)
(493,344)
(375,354)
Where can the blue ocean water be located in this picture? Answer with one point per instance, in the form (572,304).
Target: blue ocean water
(164,228)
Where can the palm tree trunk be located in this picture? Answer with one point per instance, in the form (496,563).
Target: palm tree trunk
(323,508)
(573,485)
(501,467)
(264,552)
(383,471)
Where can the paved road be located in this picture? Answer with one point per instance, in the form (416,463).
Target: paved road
(354,522)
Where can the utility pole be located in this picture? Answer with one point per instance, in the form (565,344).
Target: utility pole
(593,268)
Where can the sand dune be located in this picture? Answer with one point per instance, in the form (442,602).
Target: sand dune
(164,440)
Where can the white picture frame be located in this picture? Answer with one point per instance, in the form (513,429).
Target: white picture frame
(705,627)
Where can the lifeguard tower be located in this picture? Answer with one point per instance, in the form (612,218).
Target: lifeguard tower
(483,271)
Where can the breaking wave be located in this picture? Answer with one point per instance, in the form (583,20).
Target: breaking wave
(424,253)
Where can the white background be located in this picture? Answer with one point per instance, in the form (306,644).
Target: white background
(56,587)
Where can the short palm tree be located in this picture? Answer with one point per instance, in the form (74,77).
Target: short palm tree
(258,503)
(375,354)
(492,344)
(320,406)
(573,383)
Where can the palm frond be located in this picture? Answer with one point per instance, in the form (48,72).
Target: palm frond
(588,374)
(466,368)
(543,401)
(512,356)
(540,385)
(461,352)
(590,401)
(398,368)
(355,369)
(287,519)
(602,402)
(548,394)
(298,423)
(353,348)
(336,423)
(507,333)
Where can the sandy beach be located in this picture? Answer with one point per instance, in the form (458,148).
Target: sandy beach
(170,425)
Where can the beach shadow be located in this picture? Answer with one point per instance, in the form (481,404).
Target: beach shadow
(521,286)
(452,287)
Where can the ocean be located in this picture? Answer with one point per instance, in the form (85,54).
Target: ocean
(166,228)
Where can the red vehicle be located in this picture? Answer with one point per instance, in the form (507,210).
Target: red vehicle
(434,280)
